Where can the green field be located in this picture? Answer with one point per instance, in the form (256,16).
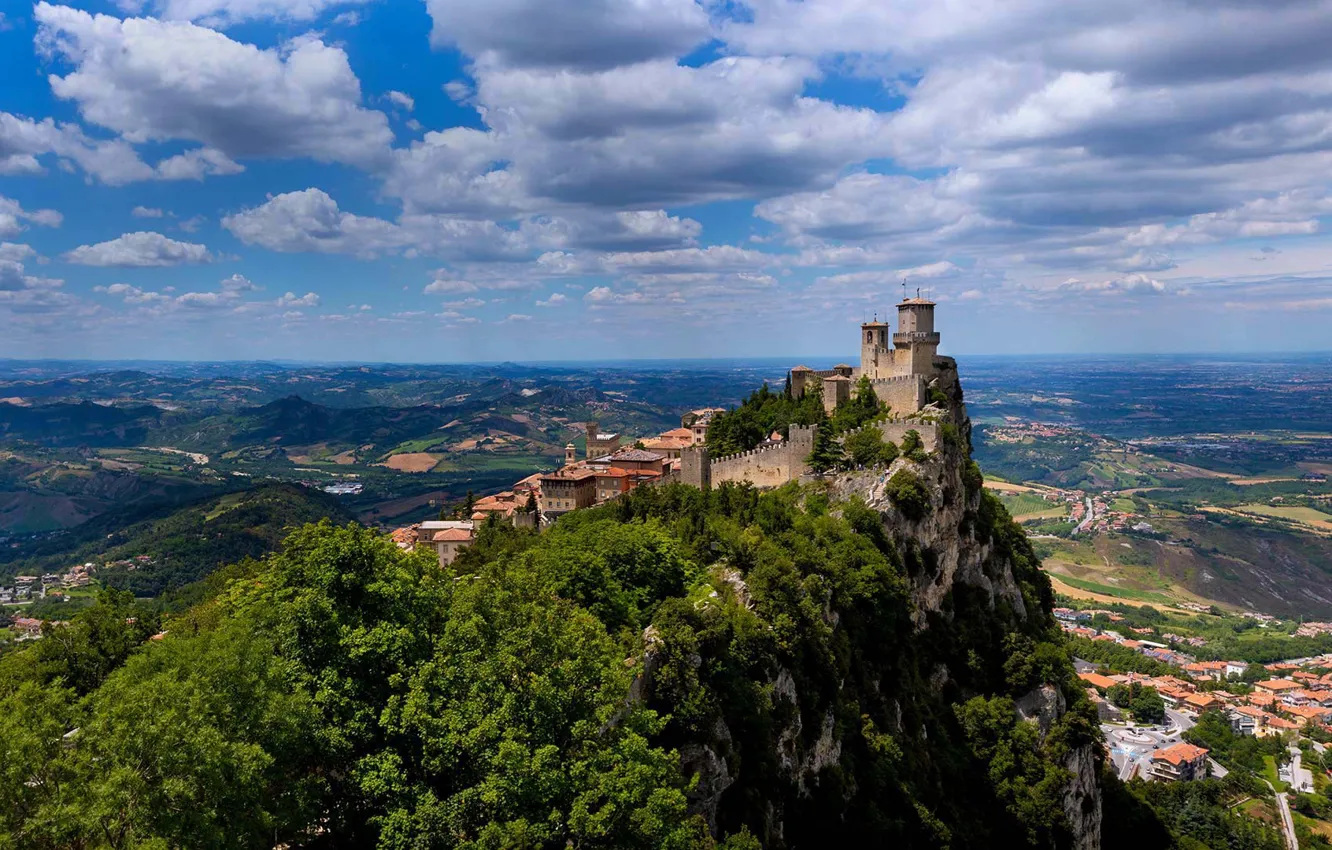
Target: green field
(1112,590)
(1270,774)
(1291,512)
(1030,506)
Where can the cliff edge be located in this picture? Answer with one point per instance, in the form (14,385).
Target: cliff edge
(927,702)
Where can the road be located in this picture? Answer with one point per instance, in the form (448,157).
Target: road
(1087,518)
(1300,778)
(1131,747)
(1287,822)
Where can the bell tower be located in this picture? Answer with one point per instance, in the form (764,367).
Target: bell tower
(876,360)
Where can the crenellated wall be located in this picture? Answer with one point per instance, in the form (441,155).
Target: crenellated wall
(771,466)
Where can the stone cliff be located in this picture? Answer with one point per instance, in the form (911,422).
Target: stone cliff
(854,732)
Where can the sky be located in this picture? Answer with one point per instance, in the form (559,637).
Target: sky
(452,180)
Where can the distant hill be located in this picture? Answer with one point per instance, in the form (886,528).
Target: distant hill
(83,423)
(188,542)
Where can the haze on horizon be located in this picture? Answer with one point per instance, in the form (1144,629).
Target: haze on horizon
(527,180)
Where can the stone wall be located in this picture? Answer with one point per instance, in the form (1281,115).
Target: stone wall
(902,394)
(768,467)
(696,467)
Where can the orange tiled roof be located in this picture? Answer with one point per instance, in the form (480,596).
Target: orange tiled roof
(1097,680)
(1180,753)
(453,535)
(1278,685)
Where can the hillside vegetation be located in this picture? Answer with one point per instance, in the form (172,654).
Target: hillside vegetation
(186,543)
(558,689)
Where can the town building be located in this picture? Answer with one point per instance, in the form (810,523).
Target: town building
(600,443)
(568,489)
(1200,702)
(1277,687)
(697,421)
(670,443)
(447,537)
(1182,762)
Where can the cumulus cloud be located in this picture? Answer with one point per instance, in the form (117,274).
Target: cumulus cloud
(309,299)
(310,220)
(593,34)
(402,99)
(642,135)
(14,218)
(555,300)
(1132,284)
(151,80)
(223,13)
(447,286)
(146,212)
(142,249)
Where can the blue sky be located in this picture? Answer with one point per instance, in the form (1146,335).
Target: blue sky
(533,179)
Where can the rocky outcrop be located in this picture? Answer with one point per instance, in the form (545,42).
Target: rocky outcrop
(1082,798)
(947,551)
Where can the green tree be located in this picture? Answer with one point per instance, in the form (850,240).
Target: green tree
(909,494)
(867,447)
(827,452)
(913,447)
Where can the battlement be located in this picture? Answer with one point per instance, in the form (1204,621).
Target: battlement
(769,466)
(915,336)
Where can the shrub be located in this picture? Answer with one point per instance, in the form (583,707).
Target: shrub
(909,494)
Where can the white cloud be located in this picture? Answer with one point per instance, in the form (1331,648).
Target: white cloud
(222,13)
(197,164)
(402,99)
(16,253)
(637,136)
(595,33)
(518,317)
(14,218)
(309,299)
(152,80)
(555,300)
(24,141)
(14,277)
(238,283)
(146,212)
(142,249)
(1131,284)
(445,286)
(309,220)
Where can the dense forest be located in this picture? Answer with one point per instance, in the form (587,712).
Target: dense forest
(345,693)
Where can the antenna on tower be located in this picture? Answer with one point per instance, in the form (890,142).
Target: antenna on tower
(903,287)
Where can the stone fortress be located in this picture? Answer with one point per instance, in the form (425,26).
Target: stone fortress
(905,374)
(901,372)
(918,385)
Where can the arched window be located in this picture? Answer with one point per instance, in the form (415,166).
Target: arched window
(869,337)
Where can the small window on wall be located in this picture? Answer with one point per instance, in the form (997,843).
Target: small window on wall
(869,336)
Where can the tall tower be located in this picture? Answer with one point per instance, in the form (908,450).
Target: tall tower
(876,360)
(916,341)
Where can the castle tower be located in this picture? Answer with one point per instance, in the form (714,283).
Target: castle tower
(591,428)
(570,453)
(800,380)
(696,467)
(916,341)
(836,391)
(876,360)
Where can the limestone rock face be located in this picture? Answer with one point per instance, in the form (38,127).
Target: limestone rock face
(944,550)
(1082,799)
